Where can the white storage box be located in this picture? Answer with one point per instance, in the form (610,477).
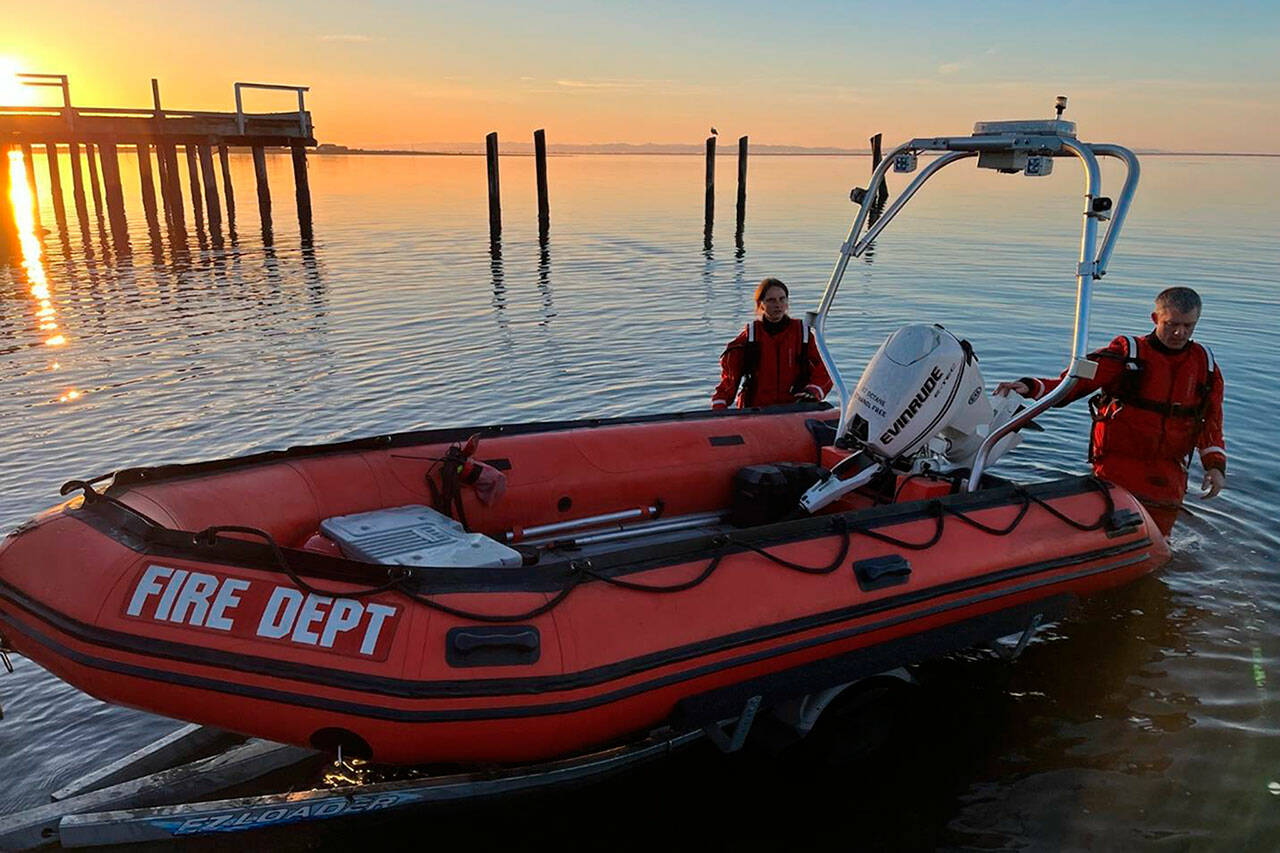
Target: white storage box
(415,535)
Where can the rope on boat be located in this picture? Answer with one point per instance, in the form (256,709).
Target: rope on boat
(581,570)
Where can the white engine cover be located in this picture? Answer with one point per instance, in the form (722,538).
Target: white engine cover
(921,384)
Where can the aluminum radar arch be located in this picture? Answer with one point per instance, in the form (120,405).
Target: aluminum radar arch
(1028,147)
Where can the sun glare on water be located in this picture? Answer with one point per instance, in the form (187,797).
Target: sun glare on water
(23,205)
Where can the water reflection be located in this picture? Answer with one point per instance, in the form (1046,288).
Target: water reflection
(499,283)
(22,204)
(544,279)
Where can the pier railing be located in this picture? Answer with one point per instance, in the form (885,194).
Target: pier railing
(100,131)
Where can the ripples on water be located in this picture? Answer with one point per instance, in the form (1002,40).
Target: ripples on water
(1149,719)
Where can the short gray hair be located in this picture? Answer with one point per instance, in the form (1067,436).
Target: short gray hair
(1182,299)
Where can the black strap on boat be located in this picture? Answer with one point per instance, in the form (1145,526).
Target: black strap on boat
(841,525)
(1109,506)
(996,531)
(658,588)
(395,574)
(933,508)
(581,570)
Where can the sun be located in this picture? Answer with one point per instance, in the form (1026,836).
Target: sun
(12,92)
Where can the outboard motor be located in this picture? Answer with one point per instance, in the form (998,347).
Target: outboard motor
(919,404)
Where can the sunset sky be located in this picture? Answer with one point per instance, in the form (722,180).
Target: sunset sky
(1169,75)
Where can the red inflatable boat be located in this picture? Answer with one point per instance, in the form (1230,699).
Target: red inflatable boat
(505,594)
(155,595)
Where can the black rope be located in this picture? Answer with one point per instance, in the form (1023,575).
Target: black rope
(395,574)
(550,604)
(1109,506)
(995,531)
(934,508)
(660,588)
(580,570)
(841,525)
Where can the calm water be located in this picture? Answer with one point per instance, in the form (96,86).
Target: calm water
(1149,720)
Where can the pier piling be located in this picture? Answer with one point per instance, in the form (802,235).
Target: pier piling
(55,185)
(227,189)
(95,185)
(168,155)
(212,205)
(148,185)
(264,189)
(77,188)
(544,207)
(29,165)
(742,187)
(710,206)
(882,195)
(115,192)
(193,178)
(495,202)
(302,189)
(196,131)
(8,225)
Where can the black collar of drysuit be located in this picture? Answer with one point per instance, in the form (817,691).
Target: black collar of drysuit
(773,327)
(1159,347)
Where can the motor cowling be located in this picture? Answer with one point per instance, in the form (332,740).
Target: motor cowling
(923,382)
(920,404)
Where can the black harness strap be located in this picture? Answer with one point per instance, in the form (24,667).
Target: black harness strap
(1104,406)
(751,362)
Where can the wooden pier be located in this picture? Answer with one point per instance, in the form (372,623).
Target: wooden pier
(100,132)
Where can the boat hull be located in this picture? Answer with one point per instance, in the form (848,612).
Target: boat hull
(120,598)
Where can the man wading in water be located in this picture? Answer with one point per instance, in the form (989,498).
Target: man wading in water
(1160,399)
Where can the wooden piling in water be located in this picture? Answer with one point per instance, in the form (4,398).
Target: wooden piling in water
(108,128)
(227,189)
(29,165)
(8,224)
(710,207)
(193,177)
(540,158)
(91,160)
(55,185)
(115,191)
(742,183)
(148,185)
(167,154)
(77,187)
(882,195)
(495,202)
(212,205)
(302,188)
(264,189)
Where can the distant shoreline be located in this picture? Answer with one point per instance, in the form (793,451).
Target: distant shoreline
(342,151)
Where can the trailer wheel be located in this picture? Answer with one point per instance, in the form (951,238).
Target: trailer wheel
(352,745)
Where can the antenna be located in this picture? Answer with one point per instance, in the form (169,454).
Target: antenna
(1060,105)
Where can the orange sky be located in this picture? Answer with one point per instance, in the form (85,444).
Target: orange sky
(383,73)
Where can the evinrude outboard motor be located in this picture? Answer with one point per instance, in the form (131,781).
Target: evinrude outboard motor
(919,404)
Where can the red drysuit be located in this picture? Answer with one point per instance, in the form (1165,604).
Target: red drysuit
(774,362)
(1157,406)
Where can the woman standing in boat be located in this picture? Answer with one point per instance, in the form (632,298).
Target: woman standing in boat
(774,358)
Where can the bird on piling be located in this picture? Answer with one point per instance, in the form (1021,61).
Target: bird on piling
(715,132)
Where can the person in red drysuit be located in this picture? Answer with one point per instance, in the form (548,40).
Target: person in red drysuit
(774,357)
(1160,399)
